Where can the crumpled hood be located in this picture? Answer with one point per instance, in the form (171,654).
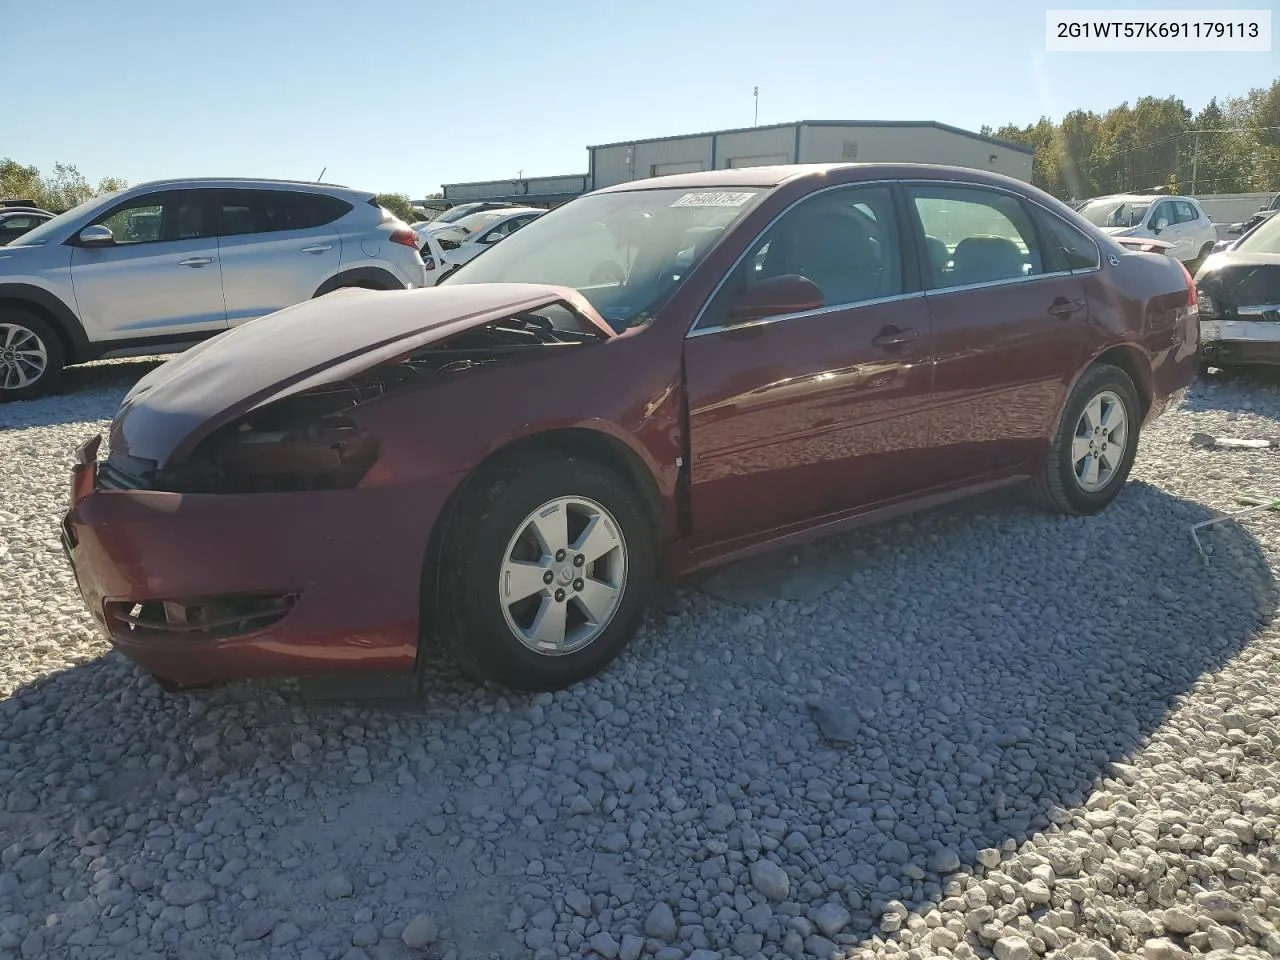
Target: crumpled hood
(1119,231)
(1241,278)
(331,338)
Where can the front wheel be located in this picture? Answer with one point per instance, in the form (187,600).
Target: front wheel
(545,570)
(31,356)
(1092,453)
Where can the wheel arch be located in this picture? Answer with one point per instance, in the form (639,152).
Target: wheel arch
(50,308)
(594,444)
(1136,366)
(370,278)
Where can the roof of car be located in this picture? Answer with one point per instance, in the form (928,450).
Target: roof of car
(1137,197)
(773,176)
(238,181)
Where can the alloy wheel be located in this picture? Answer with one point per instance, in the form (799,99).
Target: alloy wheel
(23,357)
(1100,442)
(563,576)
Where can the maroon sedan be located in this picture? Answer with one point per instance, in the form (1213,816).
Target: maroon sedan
(653,378)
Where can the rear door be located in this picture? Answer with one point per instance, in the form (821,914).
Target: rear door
(807,415)
(160,278)
(277,247)
(1009,324)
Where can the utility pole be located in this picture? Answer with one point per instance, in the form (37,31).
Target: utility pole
(1195,160)
(755,92)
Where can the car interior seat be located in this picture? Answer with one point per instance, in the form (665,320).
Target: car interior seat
(985,259)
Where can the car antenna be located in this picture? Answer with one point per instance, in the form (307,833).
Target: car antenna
(321,177)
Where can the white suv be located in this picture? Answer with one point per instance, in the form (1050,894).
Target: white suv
(1177,221)
(157,267)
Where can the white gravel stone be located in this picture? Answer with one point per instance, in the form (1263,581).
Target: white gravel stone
(420,932)
(821,762)
(770,879)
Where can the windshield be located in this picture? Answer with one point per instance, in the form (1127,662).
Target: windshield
(625,252)
(475,222)
(1265,238)
(1114,213)
(457,213)
(40,234)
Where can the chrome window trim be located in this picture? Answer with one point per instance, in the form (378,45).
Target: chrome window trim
(766,321)
(696,331)
(985,284)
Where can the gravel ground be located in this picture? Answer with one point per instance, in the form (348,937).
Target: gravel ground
(983,731)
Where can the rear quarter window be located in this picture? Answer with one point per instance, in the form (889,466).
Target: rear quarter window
(1077,249)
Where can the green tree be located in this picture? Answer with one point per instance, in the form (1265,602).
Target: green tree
(65,188)
(398,203)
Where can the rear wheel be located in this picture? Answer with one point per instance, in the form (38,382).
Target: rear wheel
(545,570)
(1093,451)
(31,355)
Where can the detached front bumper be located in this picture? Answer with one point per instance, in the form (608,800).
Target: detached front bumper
(197,588)
(1240,341)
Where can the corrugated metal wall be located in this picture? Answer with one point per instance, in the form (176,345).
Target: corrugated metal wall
(873,144)
(624,162)
(756,147)
(530,187)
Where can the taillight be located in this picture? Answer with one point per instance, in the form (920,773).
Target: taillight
(1192,298)
(406,236)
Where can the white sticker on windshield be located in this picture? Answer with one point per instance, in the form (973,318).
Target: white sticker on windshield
(706,198)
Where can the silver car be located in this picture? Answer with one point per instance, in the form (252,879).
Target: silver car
(159,266)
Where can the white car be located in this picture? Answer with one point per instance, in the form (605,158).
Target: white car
(1177,221)
(458,242)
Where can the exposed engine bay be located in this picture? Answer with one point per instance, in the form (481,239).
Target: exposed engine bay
(308,442)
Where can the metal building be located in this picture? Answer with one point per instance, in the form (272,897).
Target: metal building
(808,141)
(531,191)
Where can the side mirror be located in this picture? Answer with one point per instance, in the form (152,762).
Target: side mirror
(776,296)
(97,235)
(1160,224)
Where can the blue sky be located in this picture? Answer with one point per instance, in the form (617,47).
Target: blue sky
(402,95)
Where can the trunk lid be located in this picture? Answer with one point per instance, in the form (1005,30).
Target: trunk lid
(334,337)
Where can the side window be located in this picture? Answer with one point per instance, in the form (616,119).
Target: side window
(974,235)
(1162,211)
(846,241)
(271,211)
(1079,252)
(1186,212)
(140,221)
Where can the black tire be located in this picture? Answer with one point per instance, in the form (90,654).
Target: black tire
(471,625)
(1057,487)
(49,341)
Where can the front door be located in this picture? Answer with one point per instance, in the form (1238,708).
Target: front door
(805,415)
(1008,322)
(277,248)
(159,278)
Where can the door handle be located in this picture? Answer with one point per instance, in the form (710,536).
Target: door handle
(1062,307)
(195,261)
(893,337)
(318,248)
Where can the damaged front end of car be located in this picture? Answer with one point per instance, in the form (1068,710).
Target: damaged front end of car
(303,436)
(254,518)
